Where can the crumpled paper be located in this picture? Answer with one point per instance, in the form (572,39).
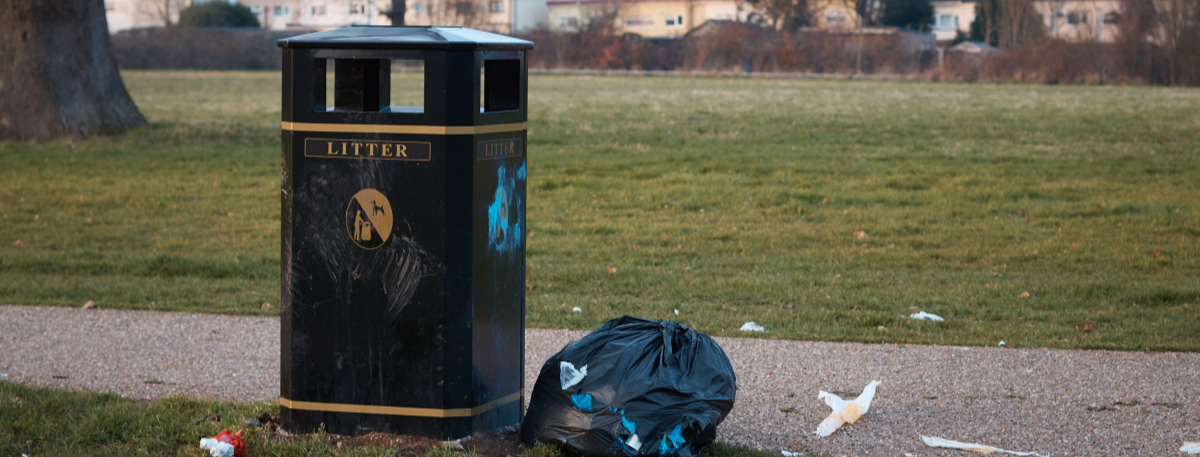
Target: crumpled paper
(1190,448)
(924,315)
(569,376)
(844,411)
(980,448)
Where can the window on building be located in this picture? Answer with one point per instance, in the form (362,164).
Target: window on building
(358,8)
(835,17)
(568,22)
(675,21)
(318,11)
(495,7)
(945,21)
(1112,17)
(1077,17)
(634,22)
(282,10)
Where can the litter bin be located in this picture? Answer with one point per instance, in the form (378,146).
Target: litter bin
(403,231)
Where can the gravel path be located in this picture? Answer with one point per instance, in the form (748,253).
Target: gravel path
(1016,399)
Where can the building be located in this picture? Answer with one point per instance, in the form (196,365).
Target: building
(501,16)
(135,14)
(644,18)
(317,14)
(833,14)
(1076,21)
(1080,21)
(951,18)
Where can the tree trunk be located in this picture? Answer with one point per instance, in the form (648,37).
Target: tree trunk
(58,76)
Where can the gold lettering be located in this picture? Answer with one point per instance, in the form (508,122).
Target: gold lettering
(402,150)
(356,145)
(386,150)
(331,148)
(371,149)
(343,148)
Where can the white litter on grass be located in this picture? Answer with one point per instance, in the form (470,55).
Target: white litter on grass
(576,310)
(216,448)
(924,315)
(676,312)
(1001,343)
(790,454)
(844,411)
(752,327)
(569,376)
(982,449)
(1190,448)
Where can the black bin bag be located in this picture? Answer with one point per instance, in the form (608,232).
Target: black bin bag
(632,387)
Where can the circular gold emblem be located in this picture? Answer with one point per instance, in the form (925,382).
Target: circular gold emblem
(369,219)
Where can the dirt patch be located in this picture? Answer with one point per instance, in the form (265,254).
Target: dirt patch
(401,444)
(500,444)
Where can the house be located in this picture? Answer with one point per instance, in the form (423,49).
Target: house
(1080,21)
(134,14)
(501,16)
(1076,21)
(950,17)
(833,14)
(643,18)
(317,14)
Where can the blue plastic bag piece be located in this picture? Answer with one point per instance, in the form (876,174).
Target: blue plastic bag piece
(672,441)
(583,402)
(629,425)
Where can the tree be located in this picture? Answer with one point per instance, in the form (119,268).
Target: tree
(218,14)
(1006,24)
(784,15)
(914,14)
(869,11)
(396,12)
(59,77)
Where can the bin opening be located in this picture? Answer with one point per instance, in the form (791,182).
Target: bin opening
(368,85)
(501,81)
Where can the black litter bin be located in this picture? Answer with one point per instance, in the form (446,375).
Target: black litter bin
(403,236)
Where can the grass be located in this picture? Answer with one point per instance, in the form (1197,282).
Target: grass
(42,421)
(1045,216)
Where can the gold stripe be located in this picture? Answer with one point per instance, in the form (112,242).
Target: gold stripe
(403,129)
(400,410)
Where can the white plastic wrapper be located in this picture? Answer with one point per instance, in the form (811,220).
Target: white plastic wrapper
(980,448)
(569,376)
(576,310)
(752,327)
(634,443)
(924,315)
(790,454)
(1190,448)
(216,448)
(844,412)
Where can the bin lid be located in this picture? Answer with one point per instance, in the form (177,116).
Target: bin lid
(405,37)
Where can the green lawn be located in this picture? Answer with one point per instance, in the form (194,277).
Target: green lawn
(729,200)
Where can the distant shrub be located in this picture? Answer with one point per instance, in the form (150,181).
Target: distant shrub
(218,13)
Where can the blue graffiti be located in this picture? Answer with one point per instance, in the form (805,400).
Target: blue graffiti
(505,220)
